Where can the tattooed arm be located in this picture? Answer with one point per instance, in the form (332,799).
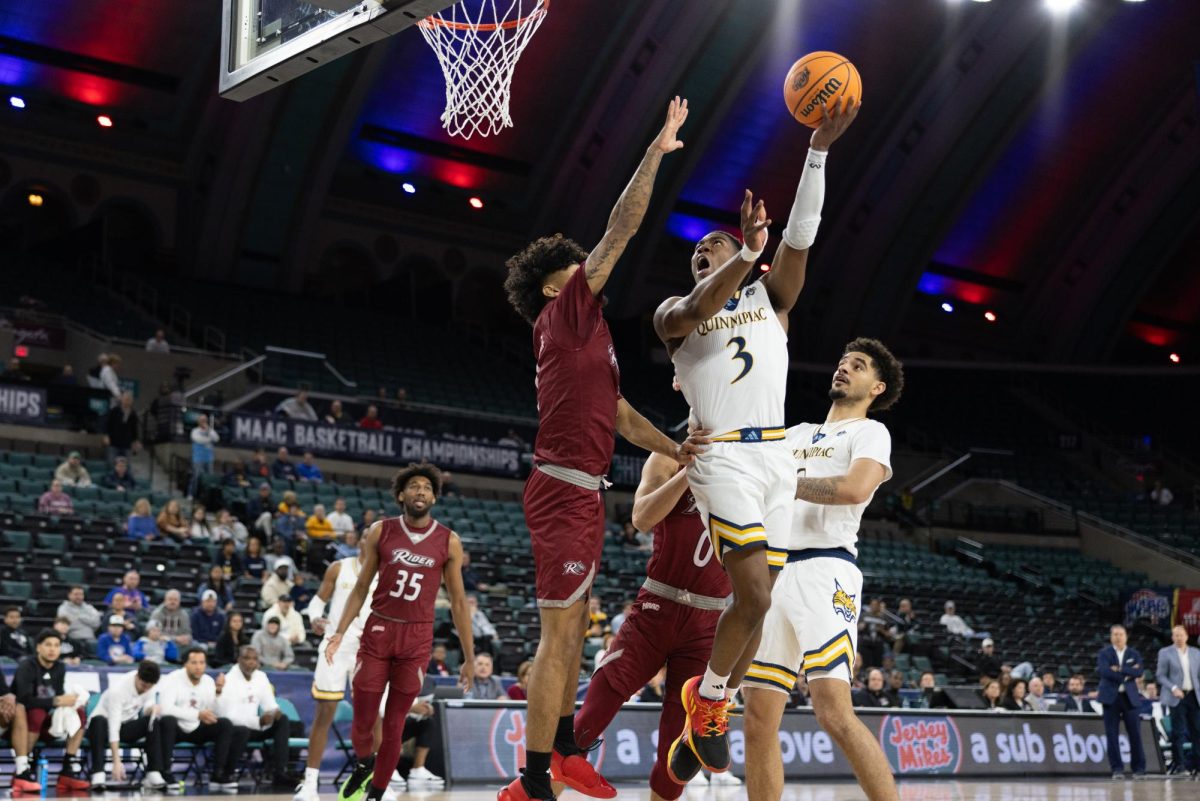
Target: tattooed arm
(855,487)
(631,207)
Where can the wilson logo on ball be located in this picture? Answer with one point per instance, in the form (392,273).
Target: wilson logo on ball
(827,91)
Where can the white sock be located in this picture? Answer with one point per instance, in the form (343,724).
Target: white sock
(312,777)
(731,691)
(22,764)
(712,686)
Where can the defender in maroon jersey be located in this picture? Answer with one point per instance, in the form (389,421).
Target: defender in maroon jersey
(555,285)
(412,554)
(672,622)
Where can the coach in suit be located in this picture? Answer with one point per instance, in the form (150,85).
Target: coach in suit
(1179,677)
(1118,667)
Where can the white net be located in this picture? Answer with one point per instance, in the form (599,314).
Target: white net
(478,42)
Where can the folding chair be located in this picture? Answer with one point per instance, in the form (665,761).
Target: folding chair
(343,714)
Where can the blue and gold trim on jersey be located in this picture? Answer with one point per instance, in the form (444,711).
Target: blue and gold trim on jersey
(727,536)
(776,558)
(324,695)
(752,435)
(772,675)
(837,651)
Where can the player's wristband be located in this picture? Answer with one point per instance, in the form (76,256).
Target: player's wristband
(801,230)
(750,255)
(315,609)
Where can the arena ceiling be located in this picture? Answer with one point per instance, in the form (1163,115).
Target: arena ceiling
(1045,168)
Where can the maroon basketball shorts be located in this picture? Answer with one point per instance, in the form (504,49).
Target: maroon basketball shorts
(566,526)
(393,653)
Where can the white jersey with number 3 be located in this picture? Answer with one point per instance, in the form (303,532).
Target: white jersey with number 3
(733,367)
(346,579)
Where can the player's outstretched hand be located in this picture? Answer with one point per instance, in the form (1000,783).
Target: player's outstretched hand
(835,119)
(696,443)
(466,675)
(754,223)
(334,641)
(676,115)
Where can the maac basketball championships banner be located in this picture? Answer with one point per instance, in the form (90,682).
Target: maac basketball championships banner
(1187,611)
(1151,604)
(22,404)
(391,447)
(488,743)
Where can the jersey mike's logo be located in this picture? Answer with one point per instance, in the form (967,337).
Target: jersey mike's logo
(919,745)
(506,742)
(412,559)
(843,602)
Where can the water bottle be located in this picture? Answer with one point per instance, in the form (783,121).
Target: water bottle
(43,775)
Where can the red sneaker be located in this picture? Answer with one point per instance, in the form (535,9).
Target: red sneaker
(578,774)
(516,792)
(69,783)
(706,731)
(25,783)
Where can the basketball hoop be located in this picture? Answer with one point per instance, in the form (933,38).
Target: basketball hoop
(478,52)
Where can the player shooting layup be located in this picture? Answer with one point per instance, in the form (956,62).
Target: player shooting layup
(730,352)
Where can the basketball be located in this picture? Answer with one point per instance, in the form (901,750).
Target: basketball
(820,77)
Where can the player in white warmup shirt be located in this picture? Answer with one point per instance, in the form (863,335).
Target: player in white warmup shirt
(729,346)
(812,625)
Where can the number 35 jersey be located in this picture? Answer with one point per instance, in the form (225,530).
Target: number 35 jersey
(733,367)
(410,570)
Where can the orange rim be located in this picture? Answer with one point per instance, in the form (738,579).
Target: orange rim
(438,22)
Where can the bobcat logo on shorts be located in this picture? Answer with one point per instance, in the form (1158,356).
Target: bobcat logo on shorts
(843,602)
(575,568)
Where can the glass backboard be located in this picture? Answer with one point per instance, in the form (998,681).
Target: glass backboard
(265,43)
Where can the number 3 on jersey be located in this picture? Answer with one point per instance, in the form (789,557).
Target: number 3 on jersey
(409,582)
(743,354)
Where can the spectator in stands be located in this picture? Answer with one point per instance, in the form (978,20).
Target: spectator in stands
(486,687)
(1036,698)
(1050,682)
(927,684)
(93,374)
(338,518)
(904,631)
(277,585)
(626,609)
(109,379)
(254,562)
(987,664)
(626,536)
(307,470)
(228,560)
(368,519)
(198,528)
(67,377)
(1149,697)
(874,694)
(896,682)
(114,646)
(84,617)
(597,619)
(992,698)
(230,528)
(437,661)
(119,477)
(1076,700)
(600,655)
(291,623)
(72,473)
(301,593)
(520,690)
(873,633)
(235,474)
(207,621)
(121,432)
(273,648)
(321,537)
(655,690)
(73,651)
(449,485)
(171,524)
(277,557)
(173,619)
(258,466)
(233,637)
(297,407)
(189,709)
(14,373)
(482,628)
(1179,673)
(141,524)
(125,714)
(14,643)
(56,502)
(247,691)
(204,441)
(470,577)
(336,417)
(1160,495)
(799,696)
(349,547)
(136,600)
(260,510)
(1118,666)
(217,583)
(371,421)
(39,687)
(512,440)
(401,395)
(118,607)
(158,343)
(1015,699)
(283,469)
(955,624)
(154,646)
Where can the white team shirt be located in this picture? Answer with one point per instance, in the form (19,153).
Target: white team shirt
(185,701)
(243,700)
(346,579)
(733,367)
(121,703)
(828,449)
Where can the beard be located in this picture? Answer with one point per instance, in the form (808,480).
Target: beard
(837,394)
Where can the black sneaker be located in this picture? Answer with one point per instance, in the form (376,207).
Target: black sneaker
(355,787)
(682,763)
(706,731)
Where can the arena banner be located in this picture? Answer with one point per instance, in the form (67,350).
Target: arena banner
(390,447)
(1151,604)
(488,743)
(1187,611)
(37,335)
(22,404)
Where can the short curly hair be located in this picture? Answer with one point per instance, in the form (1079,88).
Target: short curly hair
(528,269)
(414,470)
(887,367)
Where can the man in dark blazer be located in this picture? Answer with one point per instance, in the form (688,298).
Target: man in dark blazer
(1076,700)
(1118,667)
(1179,676)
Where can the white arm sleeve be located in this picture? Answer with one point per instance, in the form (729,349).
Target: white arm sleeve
(801,230)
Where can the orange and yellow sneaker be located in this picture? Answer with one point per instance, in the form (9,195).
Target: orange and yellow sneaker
(706,731)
